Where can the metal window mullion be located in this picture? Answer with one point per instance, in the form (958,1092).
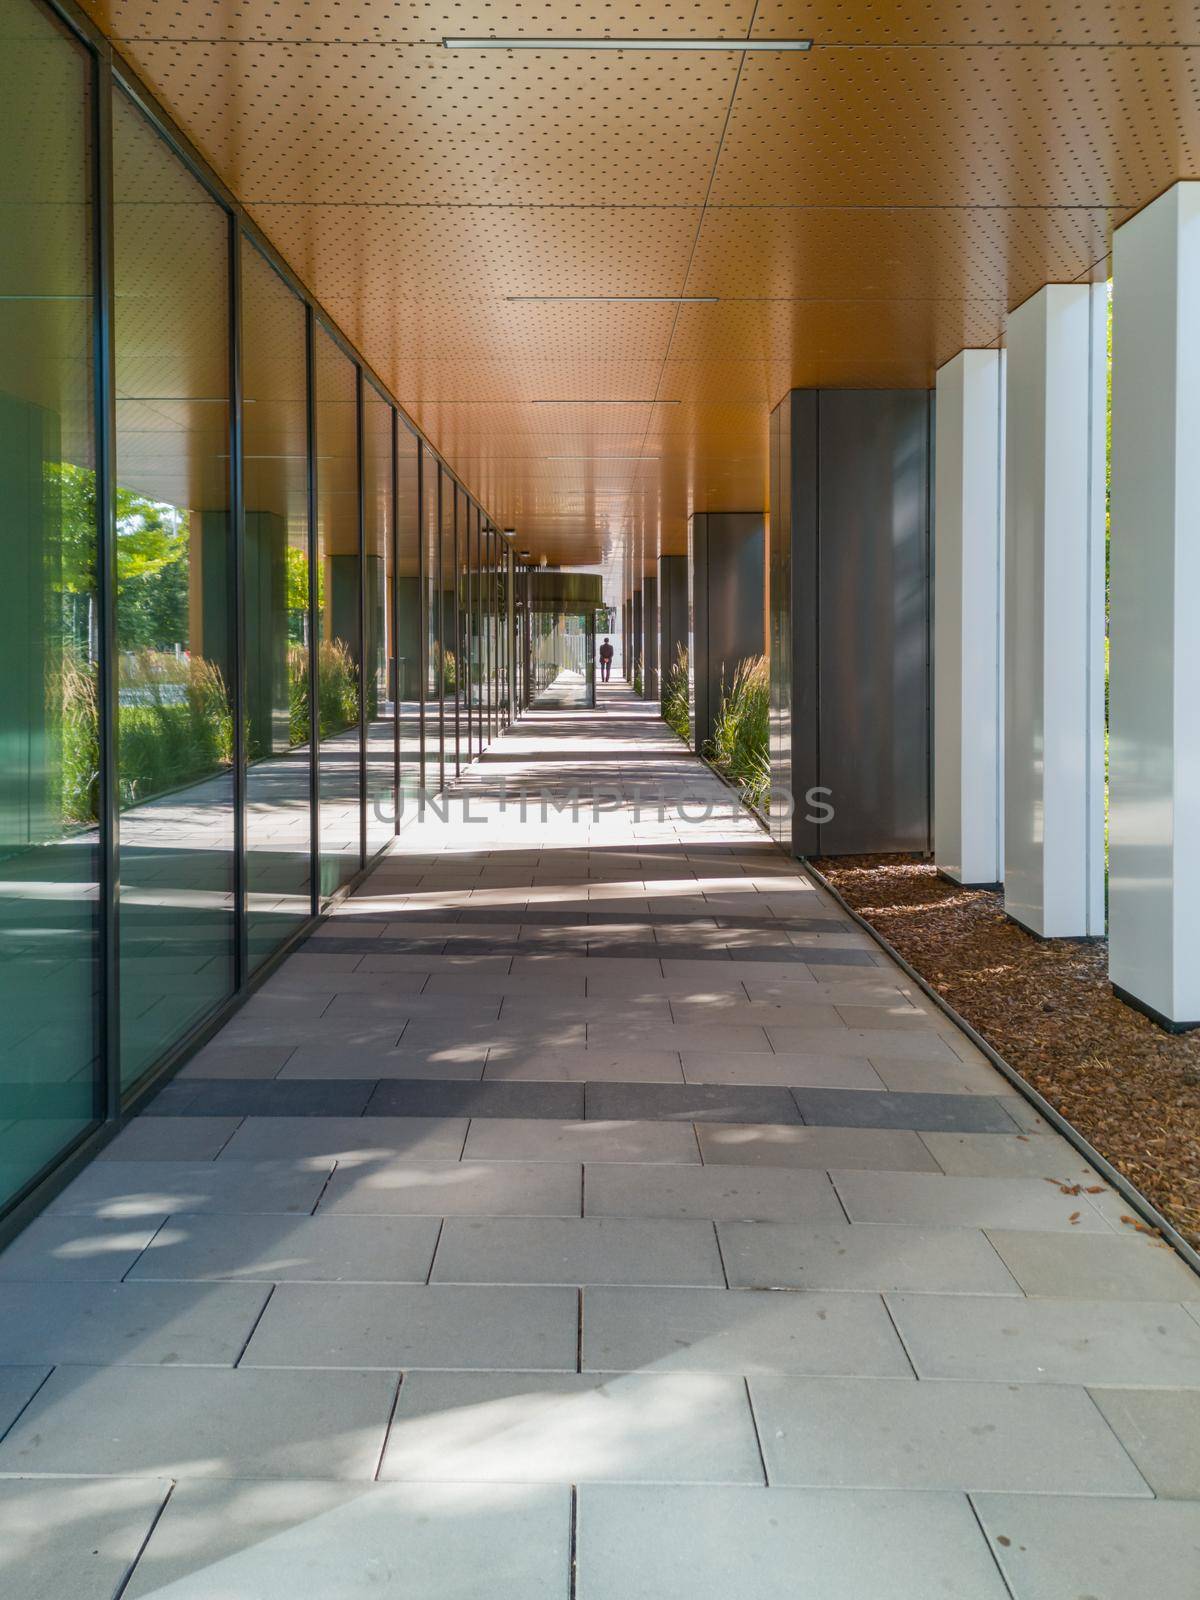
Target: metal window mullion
(314,742)
(457,646)
(395,597)
(441,661)
(108,1091)
(362,617)
(237,610)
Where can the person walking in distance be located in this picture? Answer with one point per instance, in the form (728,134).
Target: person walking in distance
(606,660)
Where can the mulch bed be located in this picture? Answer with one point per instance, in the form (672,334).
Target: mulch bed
(1130,1088)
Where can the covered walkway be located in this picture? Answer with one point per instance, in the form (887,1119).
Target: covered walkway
(589,1209)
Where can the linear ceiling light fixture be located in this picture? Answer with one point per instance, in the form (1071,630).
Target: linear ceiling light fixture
(614,299)
(604,402)
(608,43)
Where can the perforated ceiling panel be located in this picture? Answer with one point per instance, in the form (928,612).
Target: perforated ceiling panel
(857,214)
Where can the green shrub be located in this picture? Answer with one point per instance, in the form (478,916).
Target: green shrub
(676,695)
(78,698)
(637,676)
(175,724)
(740,745)
(445,668)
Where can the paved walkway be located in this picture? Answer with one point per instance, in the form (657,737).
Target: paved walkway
(445,1271)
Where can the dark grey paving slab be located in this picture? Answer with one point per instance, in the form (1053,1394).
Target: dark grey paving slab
(769,1194)
(858,1258)
(143,1189)
(155,1324)
(455,1189)
(573,1428)
(926,1113)
(1094,1342)
(738,1331)
(689,1102)
(198,1422)
(444,1326)
(578,1250)
(1051,1547)
(277,1098)
(872,1433)
(79,1248)
(429,1099)
(685,1543)
(1160,1428)
(342,1541)
(71,1538)
(321,1249)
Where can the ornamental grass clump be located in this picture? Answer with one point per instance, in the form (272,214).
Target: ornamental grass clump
(675,699)
(739,747)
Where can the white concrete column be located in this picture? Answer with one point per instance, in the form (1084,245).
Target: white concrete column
(1054,612)
(1154,703)
(968,729)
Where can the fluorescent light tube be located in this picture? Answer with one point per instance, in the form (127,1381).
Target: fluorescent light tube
(648,42)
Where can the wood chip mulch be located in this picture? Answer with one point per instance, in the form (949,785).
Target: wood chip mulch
(1130,1088)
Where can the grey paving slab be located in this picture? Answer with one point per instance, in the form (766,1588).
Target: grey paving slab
(1056,1548)
(217,1060)
(798,1071)
(1095,1267)
(587,1066)
(322,1249)
(77,1248)
(17,1387)
(237,1539)
(619,1034)
(1095,1342)
(949,1074)
(444,1326)
(498,1139)
(203,1422)
(463,1062)
(154,1324)
(738,1331)
(853,1258)
(940,1201)
(1017,1155)
(407,1187)
(857,1108)
(573,1428)
(349,1139)
(877,1044)
(72,1539)
(868,1433)
(562,1101)
(137,1189)
(769,1194)
(776,1146)
(763,1013)
(578,1250)
(692,1543)
(1160,1428)
(171,1139)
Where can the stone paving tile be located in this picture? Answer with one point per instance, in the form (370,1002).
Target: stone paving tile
(685,1543)
(237,1061)
(1094,1342)
(941,1201)
(868,1433)
(278,1098)
(1053,1547)
(562,1101)
(1020,1155)
(345,1139)
(76,1248)
(404,1187)
(689,1103)
(856,1257)
(444,1326)
(771,1194)
(18,1385)
(500,1139)
(586,1066)
(854,1108)
(578,1250)
(774,1146)
(1091,1267)
(633,1035)
(1160,1428)
(150,1324)
(573,1428)
(171,1139)
(790,1071)
(905,1044)
(739,1331)
(464,1063)
(233,1539)
(147,1189)
(322,1249)
(947,1075)
(70,1538)
(198,1422)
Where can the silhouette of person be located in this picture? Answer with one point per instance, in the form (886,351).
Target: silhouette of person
(606,660)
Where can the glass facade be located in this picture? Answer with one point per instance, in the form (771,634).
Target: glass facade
(242,601)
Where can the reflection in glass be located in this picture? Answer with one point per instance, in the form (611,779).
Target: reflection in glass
(49,729)
(174,580)
(378,527)
(449,626)
(339,620)
(407,621)
(275,575)
(433,763)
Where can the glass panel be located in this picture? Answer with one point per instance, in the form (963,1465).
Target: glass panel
(174,617)
(49,732)
(339,617)
(433,765)
(449,598)
(275,575)
(408,615)
(378,528)
(472,623)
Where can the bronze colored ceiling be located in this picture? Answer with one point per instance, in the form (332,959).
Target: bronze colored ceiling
(861,212)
